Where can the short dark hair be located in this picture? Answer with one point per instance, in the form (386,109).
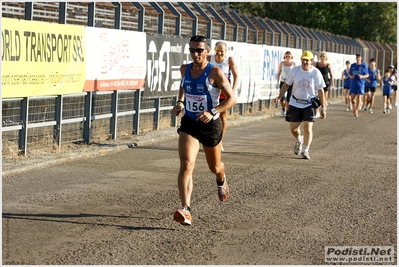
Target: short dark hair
(372,60)
(200,38)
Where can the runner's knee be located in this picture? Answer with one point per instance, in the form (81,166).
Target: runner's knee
(216,169)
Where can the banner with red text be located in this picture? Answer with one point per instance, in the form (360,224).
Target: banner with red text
(116,59)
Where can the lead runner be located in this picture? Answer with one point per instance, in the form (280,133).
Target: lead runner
(199,93)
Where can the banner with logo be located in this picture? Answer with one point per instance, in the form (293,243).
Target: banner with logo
(40,58)
(116,59)
(249,63)
(165,55)
(272,56)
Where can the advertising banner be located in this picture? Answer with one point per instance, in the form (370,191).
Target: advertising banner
(249,64)
(116,59)
(257,66)
(272,56)
(40,58)
(165,55)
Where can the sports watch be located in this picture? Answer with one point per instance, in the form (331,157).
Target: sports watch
(214,112)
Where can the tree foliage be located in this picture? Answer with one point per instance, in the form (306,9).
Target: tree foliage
(371,21)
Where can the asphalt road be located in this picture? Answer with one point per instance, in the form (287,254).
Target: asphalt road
(117,208)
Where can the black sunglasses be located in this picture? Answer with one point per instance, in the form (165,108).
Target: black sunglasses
(196,50)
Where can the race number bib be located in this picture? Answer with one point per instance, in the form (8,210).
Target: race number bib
(196,103)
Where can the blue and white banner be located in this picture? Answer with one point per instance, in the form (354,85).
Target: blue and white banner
(272,56)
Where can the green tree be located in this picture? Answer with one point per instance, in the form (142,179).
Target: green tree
(371,21)
(374,22)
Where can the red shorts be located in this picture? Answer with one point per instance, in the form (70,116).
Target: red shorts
(222,96)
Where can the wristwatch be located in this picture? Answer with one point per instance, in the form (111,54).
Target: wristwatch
(214,112)
(323,109)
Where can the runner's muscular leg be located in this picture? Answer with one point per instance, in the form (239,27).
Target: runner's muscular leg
(307,133)
(372,97)
(214,159)
(353,100)
(223,118)
(295,129)
(358,98)
(188,151)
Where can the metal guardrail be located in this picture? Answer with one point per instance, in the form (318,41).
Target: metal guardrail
(58,121)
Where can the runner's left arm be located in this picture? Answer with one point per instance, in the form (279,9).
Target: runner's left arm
(234,71)
(221,81)
(180,99)
(331,75)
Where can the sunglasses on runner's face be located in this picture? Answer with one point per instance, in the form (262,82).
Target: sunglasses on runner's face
(196,50)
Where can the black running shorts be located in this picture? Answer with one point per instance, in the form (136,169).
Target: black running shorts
(208,134)
(295,114)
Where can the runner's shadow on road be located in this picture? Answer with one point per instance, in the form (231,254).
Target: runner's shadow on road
(264,155)
(59,218)
(155,148)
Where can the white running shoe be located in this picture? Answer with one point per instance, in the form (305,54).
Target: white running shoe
(305,155)
(371,111)
(298,145)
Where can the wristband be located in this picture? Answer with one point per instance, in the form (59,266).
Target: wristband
(180,103)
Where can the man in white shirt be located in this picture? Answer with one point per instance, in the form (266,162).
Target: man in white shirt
(308,84)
